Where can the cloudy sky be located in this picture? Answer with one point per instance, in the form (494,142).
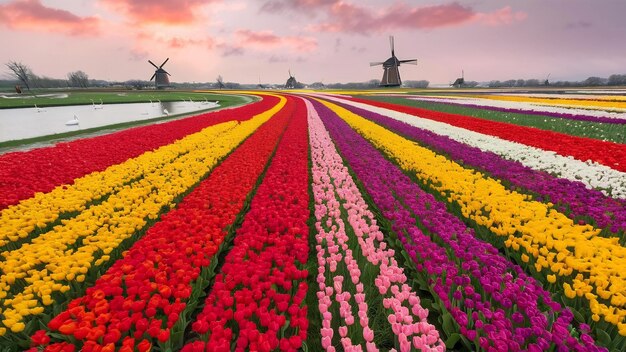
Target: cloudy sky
(318,40)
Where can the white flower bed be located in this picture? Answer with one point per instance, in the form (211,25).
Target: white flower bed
(523,106)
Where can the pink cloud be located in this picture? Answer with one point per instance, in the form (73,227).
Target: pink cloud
(146,40)
(160,11)
(230,50)
(351,17)
(347,17)
(181,43)
(280,5)
(33,15)
(269,40)
(504,16)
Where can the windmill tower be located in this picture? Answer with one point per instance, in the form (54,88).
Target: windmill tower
(160,75)
(460,82)
(391,74)
(291,82)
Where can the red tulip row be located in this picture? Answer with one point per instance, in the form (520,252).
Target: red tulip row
(141,298)
(257,301)
(607,153)
(22,174)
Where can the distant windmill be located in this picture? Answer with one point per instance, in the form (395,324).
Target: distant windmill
(547,82)
(391,74)
(220,82)
(460,82)
(291,82)
(160,75)
(260,86)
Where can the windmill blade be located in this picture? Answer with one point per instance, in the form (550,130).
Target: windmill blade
(375,63)
(153,64)
(164,62)
(154,75)
(391,44)
(166,72)
(410,62)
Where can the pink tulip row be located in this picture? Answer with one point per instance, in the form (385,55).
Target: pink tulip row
(332,251)
(407,317)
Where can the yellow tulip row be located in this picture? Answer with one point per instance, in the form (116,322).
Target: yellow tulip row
(587,264)
(66,253)
(19,220)
(578,103)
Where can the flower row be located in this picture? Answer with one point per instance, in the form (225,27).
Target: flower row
(67,253)
(606,153)
(523,107)
(257,299)
(609,181)
(341,289)
(578,199)
(145,293)
(559,247)
(19,221)
(598,104)
(22,174)
(496,306)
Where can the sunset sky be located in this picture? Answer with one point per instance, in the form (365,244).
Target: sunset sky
(319,40)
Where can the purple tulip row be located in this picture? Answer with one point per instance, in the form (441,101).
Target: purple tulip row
(493,301)
(607,212)
(560,115)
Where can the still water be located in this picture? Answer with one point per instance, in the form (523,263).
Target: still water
(32,122)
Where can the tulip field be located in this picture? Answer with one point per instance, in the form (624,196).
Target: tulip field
(325,221)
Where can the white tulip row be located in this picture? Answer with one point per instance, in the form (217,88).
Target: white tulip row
(611,182)
(573,95)
(524,106)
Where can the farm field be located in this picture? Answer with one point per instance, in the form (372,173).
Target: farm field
(389,220)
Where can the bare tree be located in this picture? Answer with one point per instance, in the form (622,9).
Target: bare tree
(78,79)
(220,82)
(22,72)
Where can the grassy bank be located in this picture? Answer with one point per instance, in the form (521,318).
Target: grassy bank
(46,98)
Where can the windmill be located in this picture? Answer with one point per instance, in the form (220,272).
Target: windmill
(391,74)
(291,82)
(260,86)
(160,75)
(460,82)
(547,82)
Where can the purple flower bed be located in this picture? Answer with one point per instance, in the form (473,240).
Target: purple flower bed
(607,212)
(560,115)
(493,301)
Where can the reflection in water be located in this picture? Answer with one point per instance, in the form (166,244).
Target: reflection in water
(32,122)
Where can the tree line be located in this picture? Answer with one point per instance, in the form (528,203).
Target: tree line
(79,79)
(613,80)
(25,76)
